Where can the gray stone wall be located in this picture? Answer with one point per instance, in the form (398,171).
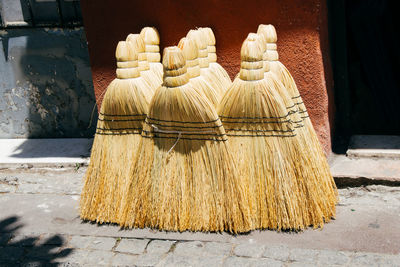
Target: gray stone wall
(46,88)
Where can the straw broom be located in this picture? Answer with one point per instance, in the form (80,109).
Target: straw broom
(190,51)
(144,67)
(283,75)
(212,57)
(152,41)
(263,139)
(310,167)
(212,77)
(121,117)
(185,177)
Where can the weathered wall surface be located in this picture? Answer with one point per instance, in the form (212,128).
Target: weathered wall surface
(46,87)
(301,26)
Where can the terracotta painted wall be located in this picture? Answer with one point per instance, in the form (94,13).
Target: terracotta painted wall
(301,27)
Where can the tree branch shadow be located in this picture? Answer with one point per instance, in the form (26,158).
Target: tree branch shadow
(20,250)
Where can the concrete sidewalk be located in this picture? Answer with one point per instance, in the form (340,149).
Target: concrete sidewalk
(39,223)
(44,152)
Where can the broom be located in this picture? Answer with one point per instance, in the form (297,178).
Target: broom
(190,51)
(144,67)
(152,41)
(263,139)
(283,75)
(212,57)
(185,177)
(212,77)
(310,169)
(120,122)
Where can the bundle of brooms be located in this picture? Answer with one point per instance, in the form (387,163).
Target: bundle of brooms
(183,172)
(185,178)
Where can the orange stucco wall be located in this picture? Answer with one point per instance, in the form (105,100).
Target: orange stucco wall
(301,27)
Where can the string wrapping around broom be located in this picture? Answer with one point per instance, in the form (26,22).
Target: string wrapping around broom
(209,75)
(151,39)
(148,75)
(284,76)
(194,186)
(266,149)
(310,169)
(119,126)
(190,51)
(212,57)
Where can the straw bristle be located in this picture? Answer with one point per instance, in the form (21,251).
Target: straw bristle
(209,34)
(219,71)
(119,126)
(210,75)
(190,51)
(269,32)
(152,40)
(148,74)
(150,36)
(186,179)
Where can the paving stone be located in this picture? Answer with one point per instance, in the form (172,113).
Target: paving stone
(121,259)
(77,256)
(303,255)
(238,262)
(102,243)
(10,254)
(360,258)
(78,241)
(23,240)
(176,260)
(195,248)
(68,264)
(32,263)
(134,246)
(149,259)
(43,252)
(210,261)
(159,246)
(276,252)
(302,264)
(266,262)
(216,248)
(390,260)
(332,257)
(5,188)
(98,258)
(4,238)
(52,239)
(249,250)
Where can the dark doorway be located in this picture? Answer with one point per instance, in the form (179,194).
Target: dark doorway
(365,42)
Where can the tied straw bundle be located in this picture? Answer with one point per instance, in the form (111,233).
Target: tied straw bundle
(120,123)
(263,139)
(187,179)
(148,75)
(151,39)
(190,51)
(212,57)
(308,132)
(209,75)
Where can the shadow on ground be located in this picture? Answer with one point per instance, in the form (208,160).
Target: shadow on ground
(17,250)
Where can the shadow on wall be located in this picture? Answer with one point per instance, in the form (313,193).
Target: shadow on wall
(28,251)
(46,88)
